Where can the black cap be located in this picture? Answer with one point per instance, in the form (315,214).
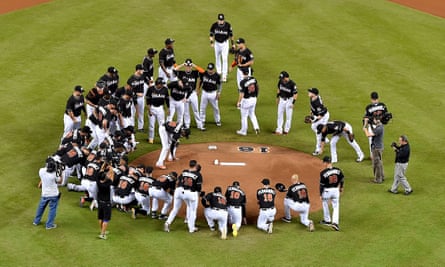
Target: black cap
(210,66)
(284,74)
(221,16)
(79,88)
(86,129)
(152,51)
(169,41)
(159,80)
(217,189)
(112,69)
(313,90)
(139,67)
(374,95)
(240,41)
(100,84)
(235,183)
(265,181)
(188,62)
(327,159)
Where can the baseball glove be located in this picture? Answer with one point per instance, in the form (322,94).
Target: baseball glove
(280,187)
(232,50)
(308,119)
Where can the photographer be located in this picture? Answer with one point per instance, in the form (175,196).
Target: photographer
(402,157)
(375,132)
(104,183)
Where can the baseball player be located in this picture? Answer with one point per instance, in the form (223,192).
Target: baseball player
(297,199)
(125,106)
(236,201)
(215,205)
(287,94)
(142,192)
(266,201)
(124,193)
(156,98)
(331,185)
(189,78)
(148,64)
(187,190)
(339,129)
(93,97)
(136,82)
(111,79)
(178,96)
(243,60)
(220,34)
(247,102)
(81,136)
(320,115)
(170,132)
(74,106)
(210,86)
(100,122)
(402,150)
(162,190)
(167,61)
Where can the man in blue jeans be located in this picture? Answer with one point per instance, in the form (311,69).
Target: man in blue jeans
(50,194)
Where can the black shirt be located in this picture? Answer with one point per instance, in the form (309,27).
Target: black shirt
(242,57)
(167,57)
(76,105)
(317,107)
(249,87)
(136,83)
(298,192)
(331,178)
(103,190)
(210,82)
(287,90)
(177,92)
(157,97)
(266,197)
(221,32)
(235,196)
(402,153)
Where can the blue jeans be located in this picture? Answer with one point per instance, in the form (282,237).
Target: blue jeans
(45,201)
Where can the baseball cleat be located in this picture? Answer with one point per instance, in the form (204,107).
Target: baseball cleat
(257,131)
(234,230)
(325,222)
(166,227)
(150,141)
(133,213)
(270,228)
(212,228)
(224,234)
(162,167)
(277,133)
(154,215)
(101,236)
(285,133)
(284,219)
(335,227)
(163,217)
(218,123)
(240,133)
(311,226)
(408,192)
(389,190)
(316,153)
(70,187)
(360,159)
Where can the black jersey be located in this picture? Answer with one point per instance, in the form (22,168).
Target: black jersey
(266,197)
(103,190)
(317,107)
(221,32)
(242,57)
(76,105)
(190,180)
(136,82)
(287,90)
(74,137)
(93,96)
(331,178)
(148,64)
(126,184)
(210,82)
(298,192)
(92,171)
(165,182)
(157,97)
(177,92)
(334,128)
(125,107)
(235,196)
(143,184)
(375,110)
(249,87)
(216,200)
(167,57)
(189,79)
(73,156)
(111,82)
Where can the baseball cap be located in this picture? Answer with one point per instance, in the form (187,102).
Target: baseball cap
(235,183)
(79,88)
(169,41)
(152,51)
(313,90)
(188,62)
(220,16)
(374,95)
(284,74)
(86,129)
(139,67)
(240,41)
(327,159)
(210,66)
(112,69)
(100,84)
(159,80)
(217,189)
(265,181)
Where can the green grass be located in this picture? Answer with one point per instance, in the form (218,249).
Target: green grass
(346,48)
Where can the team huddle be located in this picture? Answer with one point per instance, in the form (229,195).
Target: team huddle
(97,152)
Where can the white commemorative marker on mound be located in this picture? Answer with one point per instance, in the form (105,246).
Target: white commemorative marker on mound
(212,147)
(222,163)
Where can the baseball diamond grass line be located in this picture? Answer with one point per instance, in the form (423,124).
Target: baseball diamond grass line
(346,48)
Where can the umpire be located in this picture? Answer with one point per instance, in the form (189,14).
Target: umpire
(402,157)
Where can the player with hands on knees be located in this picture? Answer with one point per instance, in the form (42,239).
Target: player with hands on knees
(215,205)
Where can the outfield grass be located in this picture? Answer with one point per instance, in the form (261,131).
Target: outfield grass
(345,48)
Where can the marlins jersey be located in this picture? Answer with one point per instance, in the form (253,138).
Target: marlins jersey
(334,128)
(287,90)
(235,196)
(298,193)
(157,96)
(331,178)
(317,107)
(92,171)
(216,200)
(165,182)
(136,82)
(210,82)
(266,197)
(221,32)
(144,184)
(190,180)
(177,92)
(189,79)
(249,87)
(242,57)
(76,105)
(148,64)
(167,57)
(111,82)
(375,110)
(126,184)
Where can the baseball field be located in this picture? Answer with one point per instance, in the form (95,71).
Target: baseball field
(345,48)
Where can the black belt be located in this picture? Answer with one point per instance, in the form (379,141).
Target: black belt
(213,208)
(267,208)
(285,98)
(236,207)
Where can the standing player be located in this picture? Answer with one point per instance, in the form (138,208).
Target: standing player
(189,78)
(136,83)
(266,201)
(243,60)
(339,129)
(215,204)
(247,102)
(320,115)
(236,201)
(286,96)
(111,79)
(74,106)
(220,34)
(331,185)
(187,190)
(211,90)
(167,61)
(148,64)
(156,98)
(178,95)
(93,97)
(297,199)
(402,158)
